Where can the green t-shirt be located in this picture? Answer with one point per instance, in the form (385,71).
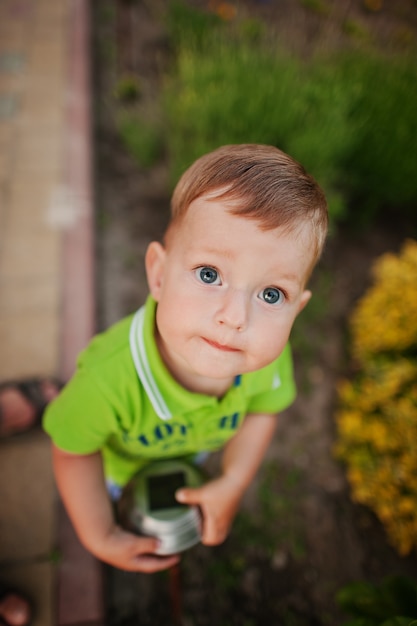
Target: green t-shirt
(123,401)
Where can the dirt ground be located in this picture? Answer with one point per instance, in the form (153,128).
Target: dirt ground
(298,538)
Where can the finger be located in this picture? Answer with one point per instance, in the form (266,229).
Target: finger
(150,564)
(188,496)
(146,545)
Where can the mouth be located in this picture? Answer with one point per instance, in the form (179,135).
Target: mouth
(220,346)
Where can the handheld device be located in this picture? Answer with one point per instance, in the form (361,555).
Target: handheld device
(150,508)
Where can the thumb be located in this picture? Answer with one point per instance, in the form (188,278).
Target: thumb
(188,496)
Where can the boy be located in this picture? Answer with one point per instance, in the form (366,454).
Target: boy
(206,362)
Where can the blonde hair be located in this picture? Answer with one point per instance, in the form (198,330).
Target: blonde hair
(262,183)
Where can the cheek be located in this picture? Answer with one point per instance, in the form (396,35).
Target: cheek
(269,342)
(166,319)
(183,303)
(270,352)
(174,314)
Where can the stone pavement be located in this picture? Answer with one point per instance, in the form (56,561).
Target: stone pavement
(46,285)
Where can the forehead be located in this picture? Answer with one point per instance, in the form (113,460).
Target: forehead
(214,207)
(210,226)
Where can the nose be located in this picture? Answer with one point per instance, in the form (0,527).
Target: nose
(233,311)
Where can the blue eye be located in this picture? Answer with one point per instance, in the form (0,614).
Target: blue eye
(208,275)
(272,295)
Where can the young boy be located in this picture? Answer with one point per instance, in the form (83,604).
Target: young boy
(206,362)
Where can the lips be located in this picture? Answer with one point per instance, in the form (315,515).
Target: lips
(220,346)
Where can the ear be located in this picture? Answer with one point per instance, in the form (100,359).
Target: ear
(305,298)
(155,265)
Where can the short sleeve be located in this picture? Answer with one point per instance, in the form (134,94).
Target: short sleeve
(80,419)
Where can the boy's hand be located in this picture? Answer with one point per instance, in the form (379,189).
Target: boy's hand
(218,500)
(127,551)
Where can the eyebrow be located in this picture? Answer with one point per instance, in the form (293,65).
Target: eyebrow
(226,253)
(291,278)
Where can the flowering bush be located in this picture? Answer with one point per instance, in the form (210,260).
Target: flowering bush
(377,415)
(386,318)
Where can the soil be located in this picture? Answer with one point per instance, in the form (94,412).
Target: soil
(298,538)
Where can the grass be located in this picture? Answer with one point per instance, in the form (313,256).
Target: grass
(142,140)
(316,6)
(348,117)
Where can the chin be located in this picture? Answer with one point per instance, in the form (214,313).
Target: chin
(220,368)
(215,374)
(215,371)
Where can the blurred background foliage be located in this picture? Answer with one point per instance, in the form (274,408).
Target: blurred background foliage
(393,602)
(347,115)
(377,415)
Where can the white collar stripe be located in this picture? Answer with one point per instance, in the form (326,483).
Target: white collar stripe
(140,359)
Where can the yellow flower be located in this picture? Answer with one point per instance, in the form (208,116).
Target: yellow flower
(377,414)
(384,319)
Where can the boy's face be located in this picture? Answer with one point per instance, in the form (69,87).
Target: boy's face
(227,292)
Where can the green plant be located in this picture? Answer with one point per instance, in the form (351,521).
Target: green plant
(252,29)
(189,26)
(142,139)
(286,107)
(355,29)
(128,89)
(391,603)
(380,161)
(55,556)
(348,117)
(377,414)
(317,6)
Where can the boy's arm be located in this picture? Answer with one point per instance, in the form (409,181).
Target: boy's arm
(81,483)
(219,499)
